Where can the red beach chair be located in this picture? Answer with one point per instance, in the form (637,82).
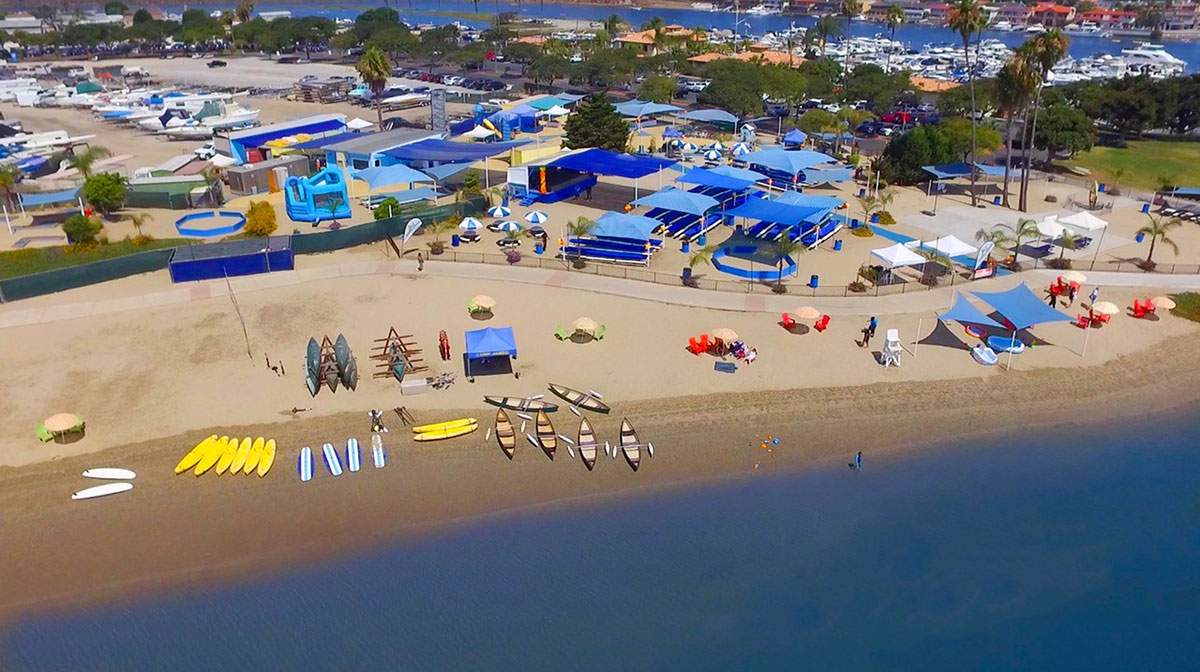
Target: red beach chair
(821,323)
(786,321)
(1083,321)
(1139,310)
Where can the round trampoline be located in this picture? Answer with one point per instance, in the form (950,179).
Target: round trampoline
(746,269)
(210,223)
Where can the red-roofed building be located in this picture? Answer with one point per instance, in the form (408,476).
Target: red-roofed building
(1014,13)
(1051,14)
(938,13)
(1182,17)
(1109,18)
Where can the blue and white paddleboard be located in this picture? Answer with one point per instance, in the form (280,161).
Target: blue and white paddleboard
(332,461)
(306,464)
(353,457)
(377,451)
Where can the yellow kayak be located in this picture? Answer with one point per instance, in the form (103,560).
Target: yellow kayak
(227,457)
(254,456)
(194,455)
(447,433)
(215,450)
(439,426)
(267,459)
(243,454)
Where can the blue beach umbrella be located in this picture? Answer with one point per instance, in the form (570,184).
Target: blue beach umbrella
(470,224)
(741,149)
(689,148)
(499,211)
(536,217)
(717,146)
(712,155)
(506,227)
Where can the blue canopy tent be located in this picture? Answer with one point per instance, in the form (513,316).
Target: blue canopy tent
(398,173)
(321,143)
(603,162)
(484,344)
(795,137)
(950,171)
(624,226)
(809,200)
(449,151)
(778,213)
(798,166)
(679,201)
(644,108)
(715,117)
(546,102)
(1021,309)
(672,132)
(722,177)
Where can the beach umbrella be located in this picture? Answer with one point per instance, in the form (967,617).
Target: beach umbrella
(61,422)
(1164,302)
(585,324)
(717,146)
(536,217)
(484,302)
(470,224)
(712,155)
(741,148)
(505,227)
(807,313)
(725,334)
(676,142)
(1074,276)
(1105,308)
(689,148)
(499,211)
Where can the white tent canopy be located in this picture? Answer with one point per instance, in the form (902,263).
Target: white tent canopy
(479,133)
(951,246)
(1050,227)
(1083,220)
(556,111)
(357,124)
(897,255)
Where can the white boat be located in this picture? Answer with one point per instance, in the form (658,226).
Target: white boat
(1035,28)
(763,10)
(229,115)
(192,132)
(1152,60)
(1002,26)
(1085,29)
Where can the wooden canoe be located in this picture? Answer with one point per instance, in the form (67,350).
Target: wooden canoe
(629,445)
(586,444)
(506,436)
(522,404)
(579,399)
(546,437)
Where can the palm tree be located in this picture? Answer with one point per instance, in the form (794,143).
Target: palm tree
(1117,174)
(9,176)
(785,247)
(1024,228)
(967,18)
(895,17)
(849,9)
(1157,229)
(870,205)
(437,228)
(1067,238)
(138,221)
(1014,86)
(84,161)
(612,24)
(1045,51)
(244,11)
(374,68)
(825,28)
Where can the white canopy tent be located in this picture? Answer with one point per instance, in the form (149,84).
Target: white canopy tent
(479,133)
(357,124)
(1086,221)
(951,246)
(556,111)
(897,255)
(1050,228)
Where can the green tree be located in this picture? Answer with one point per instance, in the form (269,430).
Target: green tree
(1018,233)
(244,11)
(374,68)
(967,19)
(260,219)
(849,9)
(881,90)
(657,88)
(437,228)
(81,229)
(105,191)
(904,156)
(785,247)
(613,23)
(825,28)
(9,176)
(1015,84)
(1064,129)
(84,160)
(1043,52)
(547,68)
(386,208)
(1158,230)
(139,220)
(895,18)
(596,123)
(958,132)
(115,7)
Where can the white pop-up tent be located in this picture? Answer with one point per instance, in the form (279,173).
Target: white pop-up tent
(357,124)
(479,133)
(1050,228)
(1086,221)
(951,246)
(897,255)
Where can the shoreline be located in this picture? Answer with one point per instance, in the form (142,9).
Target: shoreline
(180,534)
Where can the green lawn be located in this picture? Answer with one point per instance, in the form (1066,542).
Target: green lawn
(38,259)
(1144,162)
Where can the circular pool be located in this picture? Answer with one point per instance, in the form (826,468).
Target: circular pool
(210,223)
(745,269)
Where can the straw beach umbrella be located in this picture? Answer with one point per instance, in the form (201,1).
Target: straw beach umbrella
(484,302)
(1164,302)
(499,211)
(584,324)
(1106,308)
(807,313)
(725,334)
(1074,276)
(61,422)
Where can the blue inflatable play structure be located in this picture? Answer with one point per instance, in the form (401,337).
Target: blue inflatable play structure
(323,196)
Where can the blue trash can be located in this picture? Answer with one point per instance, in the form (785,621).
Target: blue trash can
(702,240)
(454,240)
(537,248)
(684,247)
(854,223)
(1102,188)
(1141,237)
(687,272)
(1145,208)
(837,245)
(995,200)
(862,192)
(874,217)
(814,281)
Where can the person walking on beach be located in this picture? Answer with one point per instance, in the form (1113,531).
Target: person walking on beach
(857,463)
(420,262)
(869,331)
(1094,295)
(1071,289)
(1053,300)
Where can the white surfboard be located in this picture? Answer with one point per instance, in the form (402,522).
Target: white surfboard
(353,457)
(377,451)
(102,490)
(306,464)
(110,473)
(332,461)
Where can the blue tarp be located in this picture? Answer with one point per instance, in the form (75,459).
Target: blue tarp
(949,171)
(711,116)
(679,201)
(963,311)
(778,213)
(809,200)
(795,137)
(546,102)
(252,139)
(603,162)
(1021,307)
(642,108)
(790,162)
(621,225)
(1186,192)
(711,178)
(491,341)
(828,175)
(50,198)
(321,143)
(447,169)
(383,176)
(446,150)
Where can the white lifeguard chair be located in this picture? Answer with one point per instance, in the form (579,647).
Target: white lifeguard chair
(892,349)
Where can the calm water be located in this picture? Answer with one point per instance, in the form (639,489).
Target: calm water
(914,35)
(1073,551)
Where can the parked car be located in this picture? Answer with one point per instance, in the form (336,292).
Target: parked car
(695,85)
(776,108)
(412,73)
(898,117)
(217,63)
(869,127)
(205,151)
(812,104)
(453,80)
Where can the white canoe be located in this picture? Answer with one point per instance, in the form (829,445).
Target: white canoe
(110,473)
(102,490)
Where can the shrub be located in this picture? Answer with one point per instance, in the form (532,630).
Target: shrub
(81,229)
(105,191)
(512,256)
(386,208)
(886,219)
(260,219)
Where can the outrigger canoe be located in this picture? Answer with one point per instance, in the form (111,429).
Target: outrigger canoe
(522,404)
(579,399)
(629,445)
(546,437)
(587,444)
(439,426)
(506,436)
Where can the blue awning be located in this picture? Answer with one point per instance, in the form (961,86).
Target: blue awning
(546,102)
(778,213)
(1021,307)
(276,131)
(621,225)
(409,196)
(383,176)
(827,175)
(490,342)
(603,162)
(963,311)
(809,200)
(706,177)
(795,137)
(949,171)
(319,143)
(446,150)
(710,116)
(790,162)
(447,169)
(679,201)
(1186,192)
(642,108)
(50,197)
